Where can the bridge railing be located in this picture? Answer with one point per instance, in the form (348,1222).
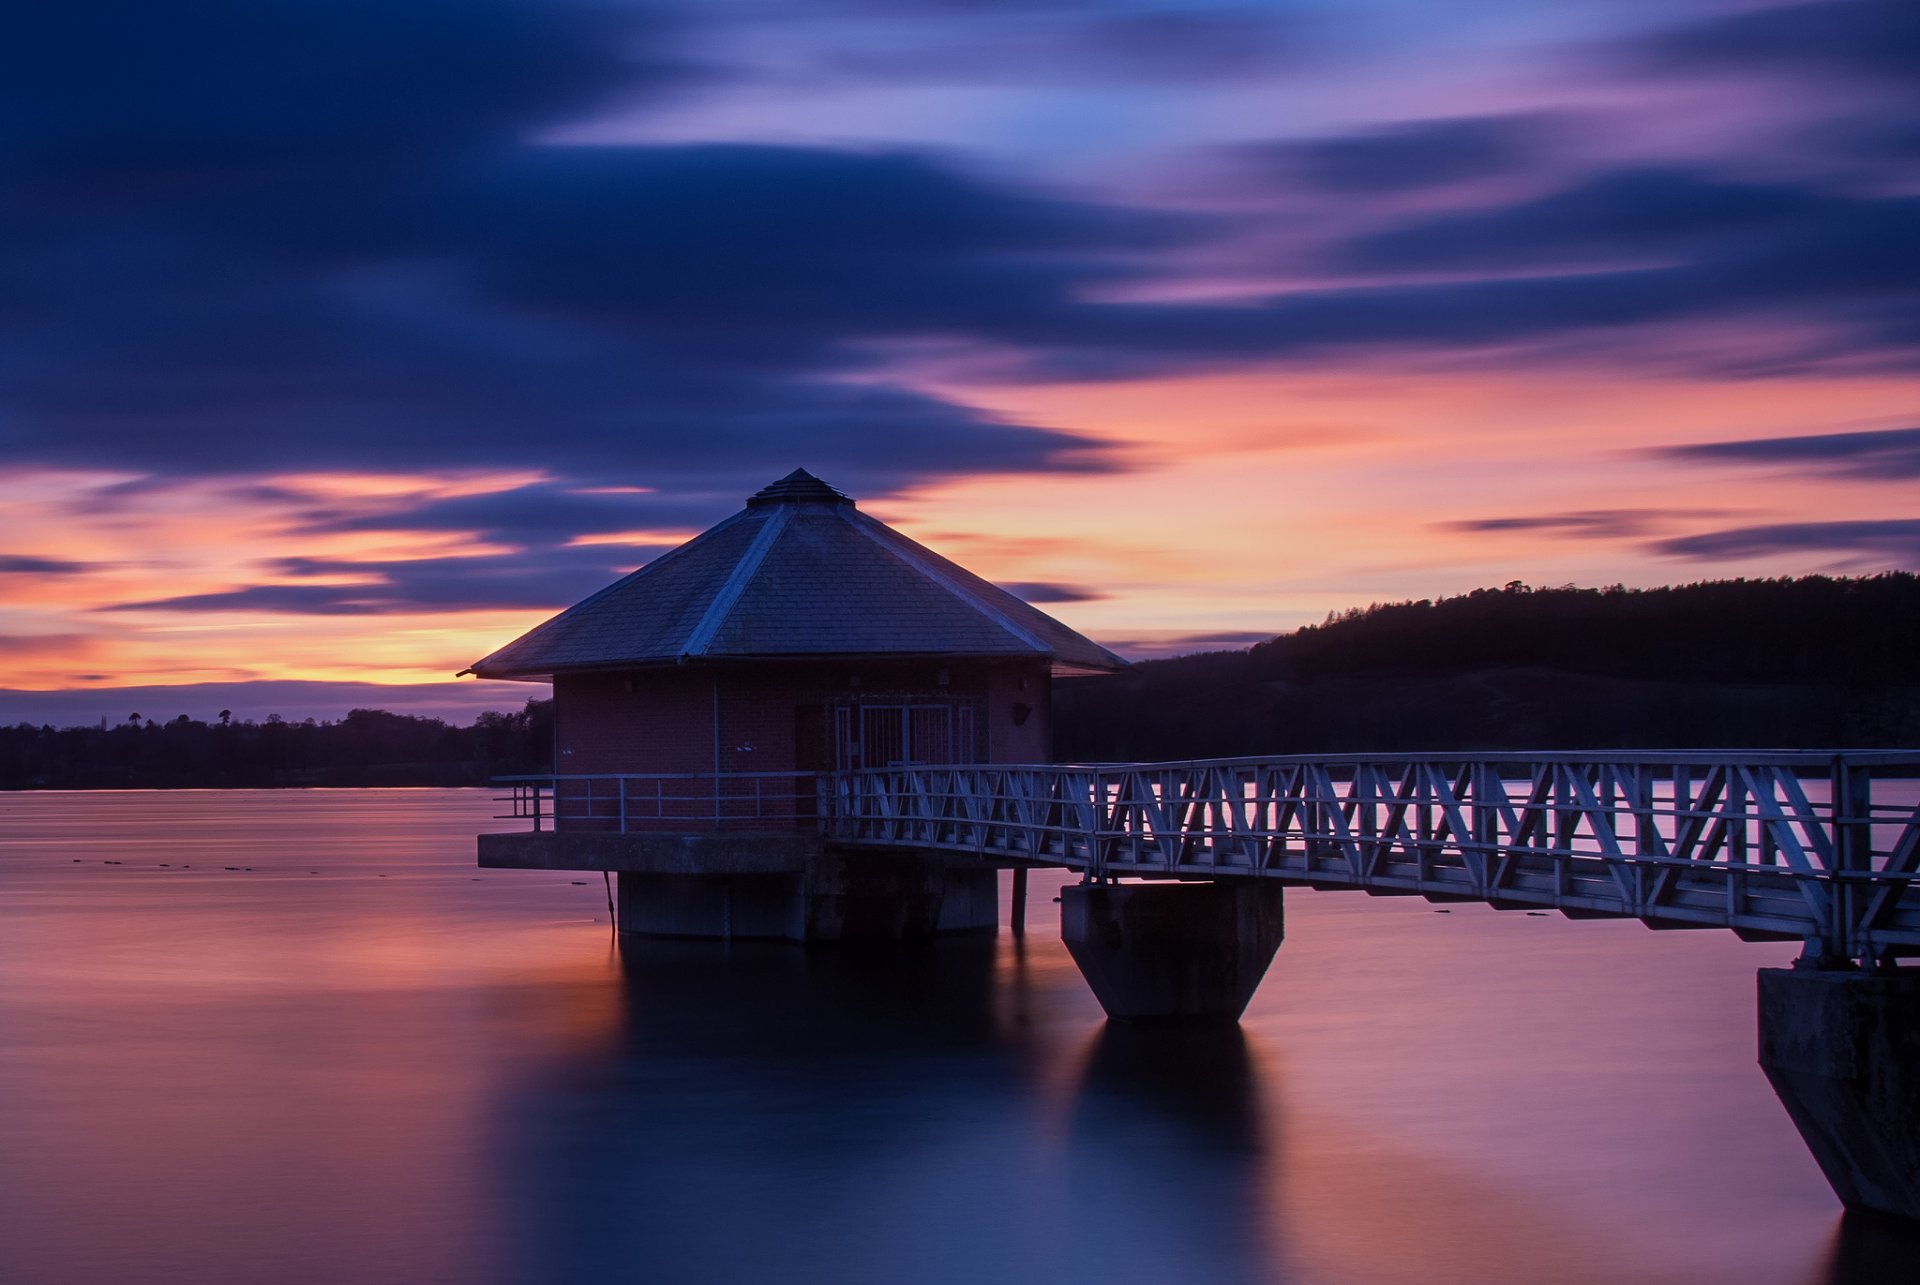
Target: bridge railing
(662,802)
(1816,846)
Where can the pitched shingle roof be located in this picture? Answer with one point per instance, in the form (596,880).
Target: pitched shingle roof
(799,572)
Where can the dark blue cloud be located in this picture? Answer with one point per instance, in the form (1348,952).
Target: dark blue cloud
(688,315)
(145,98)
(1403,157)
(15,564)
(1636,247)
(1595,524)
(642,313)
(1048,591)
(1614,217)
(528,579)
(1588,260)
(542,513)
(1891,540)
(1841,39)
(785,252)
(1871,456)
(1027,42)
(313,600)
(322,236)
(1176,43)
(254,238)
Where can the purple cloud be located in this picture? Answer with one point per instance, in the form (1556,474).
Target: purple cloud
(527,579)
(1866,540)
(15,564)
(1047,591)
(1873,455)
(1598,524)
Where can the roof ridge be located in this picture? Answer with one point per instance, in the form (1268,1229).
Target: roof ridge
(598,594)
(939,575)
(744,570)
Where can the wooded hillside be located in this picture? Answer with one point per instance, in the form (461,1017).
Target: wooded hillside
(1811,662)
(367,747)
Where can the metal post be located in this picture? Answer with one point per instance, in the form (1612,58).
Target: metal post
(1486,822)
(1019,901)
(1851,786)
(1096,855)
(1852,789)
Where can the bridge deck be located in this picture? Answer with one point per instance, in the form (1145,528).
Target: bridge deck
(1818,846)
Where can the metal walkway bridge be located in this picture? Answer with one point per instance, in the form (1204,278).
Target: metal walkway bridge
(1821,847)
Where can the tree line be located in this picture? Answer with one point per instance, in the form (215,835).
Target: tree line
(1813,662)
(367,747)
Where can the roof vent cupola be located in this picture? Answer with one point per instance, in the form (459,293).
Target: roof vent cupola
(797,487)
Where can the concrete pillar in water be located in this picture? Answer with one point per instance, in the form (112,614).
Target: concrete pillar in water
(1173,952)
(1842,1049)
(720,907)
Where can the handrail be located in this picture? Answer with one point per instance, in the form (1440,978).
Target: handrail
(662,802)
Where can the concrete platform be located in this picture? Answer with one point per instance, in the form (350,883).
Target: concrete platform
(778,886)
(744,852)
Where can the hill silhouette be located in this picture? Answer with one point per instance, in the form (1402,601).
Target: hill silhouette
(1811,662)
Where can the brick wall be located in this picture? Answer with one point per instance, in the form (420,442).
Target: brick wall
(663,719)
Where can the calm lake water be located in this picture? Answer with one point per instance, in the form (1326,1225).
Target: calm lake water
(296,1036)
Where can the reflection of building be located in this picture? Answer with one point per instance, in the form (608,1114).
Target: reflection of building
(699,694)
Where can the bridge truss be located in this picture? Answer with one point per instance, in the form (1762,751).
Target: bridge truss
(1821,847)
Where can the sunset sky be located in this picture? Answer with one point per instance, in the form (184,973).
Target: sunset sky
(343,340)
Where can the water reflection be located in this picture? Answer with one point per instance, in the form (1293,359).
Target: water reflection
(360,1059)
(760,1112)
(1170,1148)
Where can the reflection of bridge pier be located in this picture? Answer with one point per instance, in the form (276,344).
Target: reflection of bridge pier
(1188,1100)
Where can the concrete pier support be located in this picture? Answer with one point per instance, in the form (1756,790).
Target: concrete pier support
(1842,1049)
(835,896)
(1173,952)
(777,886)
(747,907)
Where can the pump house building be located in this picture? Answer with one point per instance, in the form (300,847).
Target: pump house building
(695,699)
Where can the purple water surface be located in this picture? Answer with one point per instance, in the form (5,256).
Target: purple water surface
(297,1037)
